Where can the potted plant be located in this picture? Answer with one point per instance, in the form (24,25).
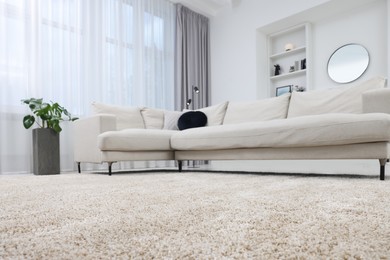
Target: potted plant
(46,138)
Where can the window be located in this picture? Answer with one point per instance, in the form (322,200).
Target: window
(13,66)
(75,52)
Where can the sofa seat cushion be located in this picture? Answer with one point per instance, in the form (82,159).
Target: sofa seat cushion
(136,140)
(306,131)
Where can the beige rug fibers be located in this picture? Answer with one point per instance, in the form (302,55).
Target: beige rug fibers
(193,216)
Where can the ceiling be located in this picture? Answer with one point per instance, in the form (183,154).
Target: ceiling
(205,7)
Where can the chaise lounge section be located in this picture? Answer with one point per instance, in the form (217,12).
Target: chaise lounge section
(351,122)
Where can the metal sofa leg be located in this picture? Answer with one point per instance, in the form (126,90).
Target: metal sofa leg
(180,164)
(110,168)
(382,162)
(79,167)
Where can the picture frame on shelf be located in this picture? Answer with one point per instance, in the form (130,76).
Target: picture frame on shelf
(283,90)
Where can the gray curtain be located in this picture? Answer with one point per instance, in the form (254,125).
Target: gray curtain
(192,59)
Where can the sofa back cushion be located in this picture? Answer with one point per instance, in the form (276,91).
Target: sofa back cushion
(126,117)
(259,110)
(346,99)
(215,114)
(153,118)
(171,119)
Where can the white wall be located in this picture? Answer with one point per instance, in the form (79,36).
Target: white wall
(233,44)
(365,25)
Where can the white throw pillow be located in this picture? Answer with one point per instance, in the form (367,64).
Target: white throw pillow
(126,117)
(170,119)
(153,118)
(215,114)
(346,99)
(259,110)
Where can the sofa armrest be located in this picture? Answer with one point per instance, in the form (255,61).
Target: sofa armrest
(376,101)
(85,136)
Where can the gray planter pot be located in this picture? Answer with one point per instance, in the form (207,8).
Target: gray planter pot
(46,151)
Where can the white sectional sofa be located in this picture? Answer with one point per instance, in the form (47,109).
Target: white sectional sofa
(349,122)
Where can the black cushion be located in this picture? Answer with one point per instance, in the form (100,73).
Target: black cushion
(192,119)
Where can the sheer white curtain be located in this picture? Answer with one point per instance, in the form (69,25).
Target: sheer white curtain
(77,51)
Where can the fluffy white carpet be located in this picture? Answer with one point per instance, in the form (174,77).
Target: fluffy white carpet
(193,215)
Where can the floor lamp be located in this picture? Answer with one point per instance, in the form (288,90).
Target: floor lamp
(188,103)
(195,94)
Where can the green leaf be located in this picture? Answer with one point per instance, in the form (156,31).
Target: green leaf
(66,113)
(56,127)
(44,110)
(45,117)
(28,121)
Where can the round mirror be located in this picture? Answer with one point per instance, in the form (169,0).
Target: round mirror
(348,63)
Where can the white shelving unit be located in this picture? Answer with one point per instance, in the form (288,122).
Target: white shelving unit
(288,75)
(299,37)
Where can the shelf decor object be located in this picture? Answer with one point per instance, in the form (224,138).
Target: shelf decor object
(288,47)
